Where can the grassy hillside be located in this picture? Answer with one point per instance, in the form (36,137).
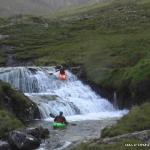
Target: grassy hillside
(112,42)
(39,7)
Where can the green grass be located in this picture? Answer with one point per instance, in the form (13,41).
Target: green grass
(8,123)
(112,42)
(138,119)
(115,146)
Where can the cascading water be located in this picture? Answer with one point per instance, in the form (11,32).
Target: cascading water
(52,95)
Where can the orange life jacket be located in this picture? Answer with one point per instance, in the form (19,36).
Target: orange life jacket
(60,119)
(62,76)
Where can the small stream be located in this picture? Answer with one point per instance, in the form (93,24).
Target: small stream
(88,111)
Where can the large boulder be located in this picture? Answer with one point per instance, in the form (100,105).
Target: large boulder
(17,103)
(4,145)
(143,136)
(22,141)
(39,132)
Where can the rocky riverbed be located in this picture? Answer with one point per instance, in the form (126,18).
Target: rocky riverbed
(75,133)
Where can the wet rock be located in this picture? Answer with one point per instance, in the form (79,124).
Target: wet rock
(58,67)
(49,97)
(39,132)
(33,70)
(22,141)
(144,136)
(4,145)
(3,36)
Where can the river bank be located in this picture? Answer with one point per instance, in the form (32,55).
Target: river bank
(73,134)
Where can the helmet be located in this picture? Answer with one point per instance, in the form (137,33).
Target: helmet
(60,113)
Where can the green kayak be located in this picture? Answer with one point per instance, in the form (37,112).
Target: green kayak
(58,125)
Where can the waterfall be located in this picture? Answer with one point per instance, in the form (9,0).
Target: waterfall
(41,85)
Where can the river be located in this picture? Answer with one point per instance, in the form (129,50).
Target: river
(87,112)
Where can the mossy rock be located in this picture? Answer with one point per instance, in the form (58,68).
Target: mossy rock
(8,122)
(17,103)
(49,97)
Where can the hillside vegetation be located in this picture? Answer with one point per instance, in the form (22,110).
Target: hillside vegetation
(111,41)
(40,7)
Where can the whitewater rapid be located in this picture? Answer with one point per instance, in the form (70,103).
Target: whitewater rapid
(77,100)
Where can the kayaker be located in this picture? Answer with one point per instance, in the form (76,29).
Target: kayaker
(62,73)
(60,118)
(61,69)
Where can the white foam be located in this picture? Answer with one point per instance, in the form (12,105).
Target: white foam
(66,144)
(94,116)
(77,100)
